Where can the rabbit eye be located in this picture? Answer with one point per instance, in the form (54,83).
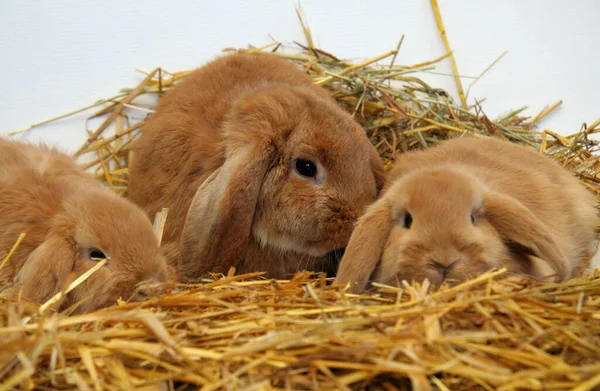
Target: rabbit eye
(96,254)
(306,168)
(407,220)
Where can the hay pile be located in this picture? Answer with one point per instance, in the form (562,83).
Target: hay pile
(249,333)
(244,333)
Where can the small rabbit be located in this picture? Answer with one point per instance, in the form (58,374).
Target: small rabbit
(260,169)
(70,220)
(469,205)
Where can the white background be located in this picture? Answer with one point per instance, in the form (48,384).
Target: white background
(60,55)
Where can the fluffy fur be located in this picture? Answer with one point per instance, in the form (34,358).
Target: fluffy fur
(67,215)
(469,205)
(220,153)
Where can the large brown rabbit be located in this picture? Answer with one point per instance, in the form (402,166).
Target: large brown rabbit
(260,169)
(70,221)
(469,205)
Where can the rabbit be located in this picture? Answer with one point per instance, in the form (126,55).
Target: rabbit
(71,221)
(261,170)
(469,205)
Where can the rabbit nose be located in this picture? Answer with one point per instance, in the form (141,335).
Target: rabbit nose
(443,267)
(148,291)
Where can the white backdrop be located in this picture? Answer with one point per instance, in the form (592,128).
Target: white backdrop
(60,55)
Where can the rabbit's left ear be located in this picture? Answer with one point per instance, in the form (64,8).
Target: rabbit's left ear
(518,225)
(47,269)
(172,273)
(378,171)
(367,243)
(219,221)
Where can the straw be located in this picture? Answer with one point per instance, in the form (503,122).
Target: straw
(496,332)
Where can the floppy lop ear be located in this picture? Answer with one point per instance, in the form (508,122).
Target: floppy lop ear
(517,224)
(366,245)
(378,171)
(47,269)
(219,220)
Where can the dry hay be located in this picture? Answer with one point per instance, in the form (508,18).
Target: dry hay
(250,333)
(245,333)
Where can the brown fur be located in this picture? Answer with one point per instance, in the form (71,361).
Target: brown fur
(530,215)
(240,121)
(64,213)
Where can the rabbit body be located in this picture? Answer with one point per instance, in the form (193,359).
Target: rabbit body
(223,152)
(459,209)
(68,219)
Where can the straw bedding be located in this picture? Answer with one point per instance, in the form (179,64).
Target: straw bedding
(246,332)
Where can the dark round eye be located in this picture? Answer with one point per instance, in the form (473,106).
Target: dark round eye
(472,219)
(407,220)
(306,168)
(97,254)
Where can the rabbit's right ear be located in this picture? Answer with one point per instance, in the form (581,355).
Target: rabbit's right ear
(517,224)
(47,269)
(363,253)
(218,226)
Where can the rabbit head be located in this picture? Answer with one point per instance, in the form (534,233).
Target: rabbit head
(95,224)
(298,172)
(444,224)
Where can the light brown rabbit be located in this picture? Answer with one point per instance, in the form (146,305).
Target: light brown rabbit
(70,219)
(260,169)
(467,206)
